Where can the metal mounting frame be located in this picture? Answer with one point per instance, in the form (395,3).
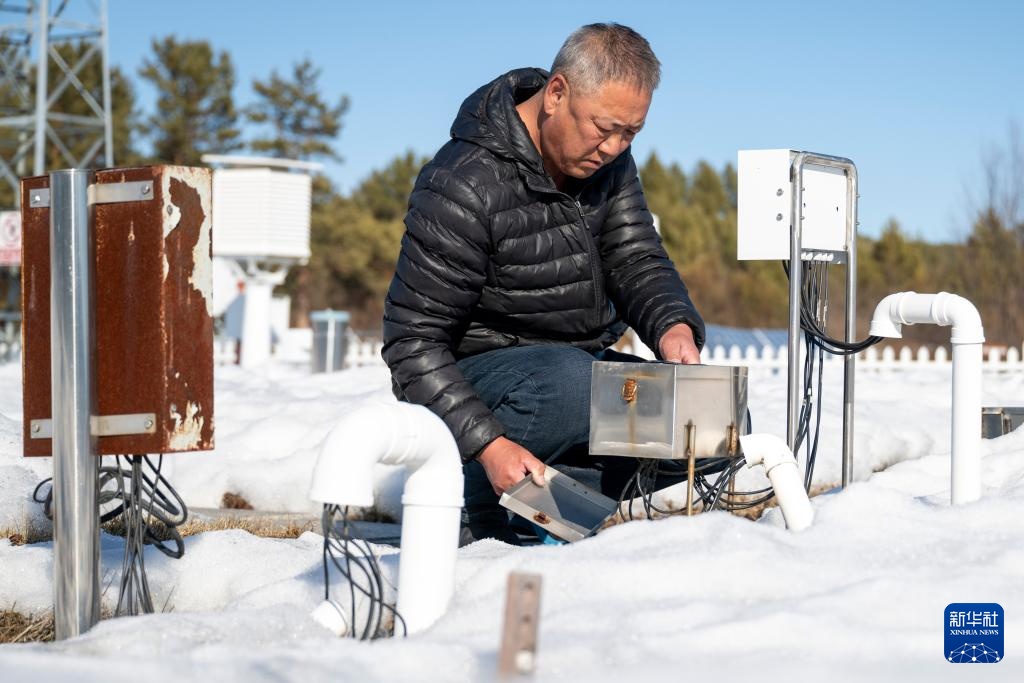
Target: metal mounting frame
(797,255)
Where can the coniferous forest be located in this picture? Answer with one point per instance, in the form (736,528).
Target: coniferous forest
(355,236)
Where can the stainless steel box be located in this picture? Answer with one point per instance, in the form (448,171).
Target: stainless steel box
(666,410)
(564,508)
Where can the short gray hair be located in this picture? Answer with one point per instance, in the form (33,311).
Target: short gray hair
(598,53)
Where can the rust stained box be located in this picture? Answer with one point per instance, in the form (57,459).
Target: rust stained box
(152,310)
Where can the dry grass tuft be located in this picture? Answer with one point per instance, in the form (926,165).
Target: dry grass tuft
(372,514)
(254,525)
(29,532)
(234,501)
(16,627)
(257,526)
(268,527)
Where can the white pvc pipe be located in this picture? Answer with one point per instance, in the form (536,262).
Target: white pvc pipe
(965,433)
(413,437)
(256,323)
(909,308)
(779,464)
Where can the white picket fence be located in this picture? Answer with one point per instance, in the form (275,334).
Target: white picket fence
(363,352)
(888,356)
(366,351)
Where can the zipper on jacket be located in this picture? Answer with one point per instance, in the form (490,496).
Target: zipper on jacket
(592,248)
(592,254)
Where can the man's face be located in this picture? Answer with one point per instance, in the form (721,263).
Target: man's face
(583,132)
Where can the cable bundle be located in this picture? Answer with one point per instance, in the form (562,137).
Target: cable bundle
(813,322)
(355,560)
(644,484)
(150,516)
(814,310)
(150,511)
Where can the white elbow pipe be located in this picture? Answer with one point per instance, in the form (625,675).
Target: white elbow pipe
(774,455)
(413,437)
(909,308)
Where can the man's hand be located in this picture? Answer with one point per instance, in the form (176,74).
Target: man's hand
(506,463)
(677,345)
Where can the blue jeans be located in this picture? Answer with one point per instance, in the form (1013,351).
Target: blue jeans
(541,394)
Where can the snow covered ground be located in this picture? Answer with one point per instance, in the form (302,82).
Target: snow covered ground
(860,594)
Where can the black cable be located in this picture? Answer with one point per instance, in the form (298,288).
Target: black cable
(150,510)
(715,495)
(355,560)
(133,594)
(149,516)
(812,452)
(810,326)
(813,322)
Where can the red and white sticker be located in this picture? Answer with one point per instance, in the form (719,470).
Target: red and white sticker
(10,238)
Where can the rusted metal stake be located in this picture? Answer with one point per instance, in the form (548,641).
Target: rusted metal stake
(518,653)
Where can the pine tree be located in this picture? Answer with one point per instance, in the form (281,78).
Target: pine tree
(195,112)
(355,241)
(301,124)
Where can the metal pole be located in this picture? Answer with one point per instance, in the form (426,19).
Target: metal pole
(76,557)
(849,368)
(108,122)
(41,87)
(796,230)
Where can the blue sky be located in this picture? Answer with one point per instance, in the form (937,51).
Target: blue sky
(914,92)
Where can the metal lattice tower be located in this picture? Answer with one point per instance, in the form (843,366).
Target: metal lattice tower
(32,119)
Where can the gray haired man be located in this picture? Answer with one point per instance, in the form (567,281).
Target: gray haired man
(528,250)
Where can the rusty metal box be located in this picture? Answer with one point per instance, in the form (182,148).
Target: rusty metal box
(665,410)
(153,310)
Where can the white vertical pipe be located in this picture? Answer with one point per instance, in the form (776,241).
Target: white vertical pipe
(965,465)
(909,308)
(76,554)
(256,322)
(426,579)
(412,437)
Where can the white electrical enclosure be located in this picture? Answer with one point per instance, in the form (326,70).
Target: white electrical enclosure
(765,208)
(261,214)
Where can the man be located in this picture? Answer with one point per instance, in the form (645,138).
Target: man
(528,249)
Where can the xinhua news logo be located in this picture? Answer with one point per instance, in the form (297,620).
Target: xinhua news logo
(974,633)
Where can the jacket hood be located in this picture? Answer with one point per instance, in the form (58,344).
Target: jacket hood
(488,117)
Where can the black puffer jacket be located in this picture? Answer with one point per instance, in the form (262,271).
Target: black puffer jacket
(495,256)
